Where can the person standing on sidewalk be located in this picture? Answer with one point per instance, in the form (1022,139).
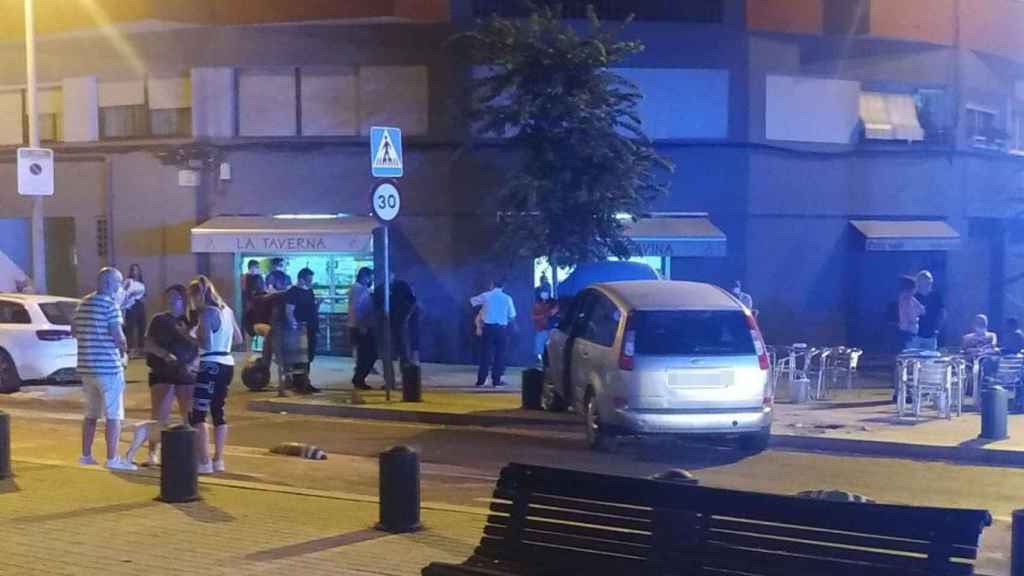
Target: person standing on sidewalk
(360,323)
(135,311)
(934,312)
(97,324)
(544,311)
(172,360)
(215,335)
(498,312)
(302,310)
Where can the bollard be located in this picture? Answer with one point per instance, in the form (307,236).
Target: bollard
(179,475)
(532,388)
(1017,544)
(412,384)
(5,445)
(399,490)
(993,413)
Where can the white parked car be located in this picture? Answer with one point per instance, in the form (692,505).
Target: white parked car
(35,339)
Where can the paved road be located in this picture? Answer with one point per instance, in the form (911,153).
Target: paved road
(459,464)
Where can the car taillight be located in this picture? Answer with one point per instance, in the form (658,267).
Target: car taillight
(759,347)
(628,345)
(53,335)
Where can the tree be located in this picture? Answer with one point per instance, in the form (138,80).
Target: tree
(585,161)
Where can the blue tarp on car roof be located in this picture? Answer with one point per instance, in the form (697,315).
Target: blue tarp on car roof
(597,272)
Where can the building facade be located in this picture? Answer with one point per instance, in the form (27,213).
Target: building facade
(833,145)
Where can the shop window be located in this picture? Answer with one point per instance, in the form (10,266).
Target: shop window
(124,122)
(170,106)
(171,122)
(1017,134)
(983,129)
(890,117)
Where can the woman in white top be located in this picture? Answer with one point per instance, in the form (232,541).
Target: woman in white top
(215,336)
(134,310)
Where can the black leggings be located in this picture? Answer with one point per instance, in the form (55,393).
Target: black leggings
(211,391)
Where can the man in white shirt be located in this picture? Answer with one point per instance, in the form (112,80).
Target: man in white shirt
(498,312)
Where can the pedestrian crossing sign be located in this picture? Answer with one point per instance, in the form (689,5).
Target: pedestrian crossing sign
(385,152)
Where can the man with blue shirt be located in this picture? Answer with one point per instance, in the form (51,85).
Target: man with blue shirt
(497,312)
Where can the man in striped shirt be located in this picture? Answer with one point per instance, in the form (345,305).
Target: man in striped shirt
(97,324)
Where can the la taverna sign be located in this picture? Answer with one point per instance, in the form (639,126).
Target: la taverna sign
(279,243)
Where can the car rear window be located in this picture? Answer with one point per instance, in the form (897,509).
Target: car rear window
(693,333)
(58,313)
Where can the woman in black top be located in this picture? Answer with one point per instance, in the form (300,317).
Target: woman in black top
(171,358)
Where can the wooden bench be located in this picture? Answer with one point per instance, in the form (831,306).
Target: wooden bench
(548,521)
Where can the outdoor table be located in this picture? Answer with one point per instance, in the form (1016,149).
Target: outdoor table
(797,363)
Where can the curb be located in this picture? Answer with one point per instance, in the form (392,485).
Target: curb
(414,416)
(883,449)
(969,455)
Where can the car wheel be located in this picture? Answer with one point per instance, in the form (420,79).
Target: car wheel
(756,442)
(9,380)
(550,399)
(597,438)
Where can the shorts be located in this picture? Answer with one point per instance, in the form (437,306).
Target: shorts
(211,392)
(104,396)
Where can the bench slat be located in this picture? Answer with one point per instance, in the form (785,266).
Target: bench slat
(601,506)
(961,527)
(536,558)
(578,517)
(638,538)
(814,534)
(820,550)
(765,563)
(562,539)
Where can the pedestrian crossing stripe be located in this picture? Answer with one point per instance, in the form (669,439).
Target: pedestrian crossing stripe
(387,155)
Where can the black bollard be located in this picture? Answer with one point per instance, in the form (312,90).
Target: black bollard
(532,388)
(412,384)
(993,413)
(399,490)
(179,475)
(1017,544)
(5,445)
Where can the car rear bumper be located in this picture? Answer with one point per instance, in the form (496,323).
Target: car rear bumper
(733,421)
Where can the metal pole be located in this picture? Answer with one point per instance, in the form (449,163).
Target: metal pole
(38,231)
(389,367)
(1017,544)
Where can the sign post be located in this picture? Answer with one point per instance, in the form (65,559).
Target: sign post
(387,202)
(386,161)
(38,230)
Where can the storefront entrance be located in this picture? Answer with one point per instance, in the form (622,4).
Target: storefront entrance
(334,248)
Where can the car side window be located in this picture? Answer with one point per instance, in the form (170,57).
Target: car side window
(575,317)
(11,313)
(603,324)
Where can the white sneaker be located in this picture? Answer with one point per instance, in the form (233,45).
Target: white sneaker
(153,460)
(120,463)
(87,461)
(218,465)
(205,468)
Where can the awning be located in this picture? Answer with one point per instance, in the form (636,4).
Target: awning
(231,234)
(677,236)
(907,235)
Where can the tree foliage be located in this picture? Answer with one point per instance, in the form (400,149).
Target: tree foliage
(585,160)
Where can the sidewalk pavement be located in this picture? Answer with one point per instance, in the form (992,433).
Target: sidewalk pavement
(73,520)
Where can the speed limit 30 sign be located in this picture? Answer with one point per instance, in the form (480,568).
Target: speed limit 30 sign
(386,201)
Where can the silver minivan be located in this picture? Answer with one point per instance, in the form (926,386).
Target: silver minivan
(660,357)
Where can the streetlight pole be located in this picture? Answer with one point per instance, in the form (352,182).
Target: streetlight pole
(38,231)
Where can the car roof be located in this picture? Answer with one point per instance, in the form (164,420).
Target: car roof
(34,298)
(670,295)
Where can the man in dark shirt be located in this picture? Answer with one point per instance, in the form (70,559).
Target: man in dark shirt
(934,312)
(277,279)
(1012,341)
(301,308)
